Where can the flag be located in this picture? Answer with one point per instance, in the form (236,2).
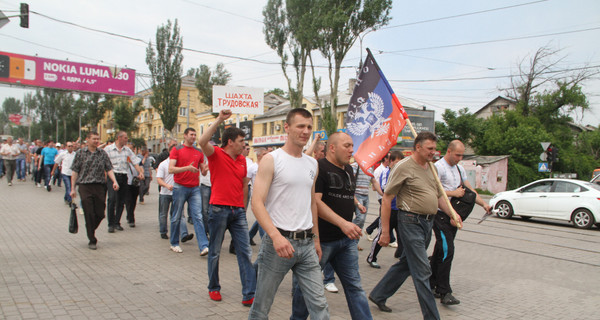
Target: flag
(375,116)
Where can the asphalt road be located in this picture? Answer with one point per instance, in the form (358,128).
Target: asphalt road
(503,269)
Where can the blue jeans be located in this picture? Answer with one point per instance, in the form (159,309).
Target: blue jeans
(21,173)
(328,275)
(205,190)
(272,269)
(415,234)
(164,202)
(47,177)
(254,229)
(67,181)
(1,167)
(360,218)
(233,218)
(193,197)
(343,257)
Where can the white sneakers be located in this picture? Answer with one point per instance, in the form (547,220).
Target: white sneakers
(394,244)
(176,249)
(331,288)
(204,252)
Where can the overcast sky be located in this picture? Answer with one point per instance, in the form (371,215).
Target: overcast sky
(442,54)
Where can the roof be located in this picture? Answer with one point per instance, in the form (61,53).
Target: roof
(480,160)
(494,101)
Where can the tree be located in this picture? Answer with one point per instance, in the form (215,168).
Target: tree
(124,113)
(9,106)
(206,79)
(342,22)
(291,29)
(165,68)
(463,126)
(279,92)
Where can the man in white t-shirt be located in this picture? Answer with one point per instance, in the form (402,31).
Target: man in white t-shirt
(62,163)
(165,200)
(285,206)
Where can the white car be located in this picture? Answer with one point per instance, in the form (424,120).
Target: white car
(562,199)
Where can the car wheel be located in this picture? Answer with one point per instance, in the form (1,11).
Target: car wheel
(525,218)
(505,210)
(582,218)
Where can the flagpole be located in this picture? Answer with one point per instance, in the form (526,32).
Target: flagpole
(437,179)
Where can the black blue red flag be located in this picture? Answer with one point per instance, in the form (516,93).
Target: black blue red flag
(375,116)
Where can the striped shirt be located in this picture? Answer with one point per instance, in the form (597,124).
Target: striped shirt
(118,158)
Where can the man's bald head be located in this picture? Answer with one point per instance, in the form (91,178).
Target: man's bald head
(455,153)
(454,144)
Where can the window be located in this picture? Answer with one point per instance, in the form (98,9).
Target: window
(264,129)
(178,127)
(201,129)
(272,128)
(563,186)
(542,186)
(183,112)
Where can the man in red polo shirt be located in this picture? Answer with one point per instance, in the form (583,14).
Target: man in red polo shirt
(184,163)
(229,189)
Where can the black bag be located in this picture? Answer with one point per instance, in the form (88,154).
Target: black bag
(73,225)
(465,204)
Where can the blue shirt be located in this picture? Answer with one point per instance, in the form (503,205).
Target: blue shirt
(49,154)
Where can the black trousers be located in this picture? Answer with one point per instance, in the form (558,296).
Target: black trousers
(93,202)
(443,253)
(375,247)
(116,200)
(131,195)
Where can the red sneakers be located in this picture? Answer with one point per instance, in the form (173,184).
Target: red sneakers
(215,295)
(248,303)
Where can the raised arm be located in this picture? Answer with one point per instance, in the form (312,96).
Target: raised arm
(206,147)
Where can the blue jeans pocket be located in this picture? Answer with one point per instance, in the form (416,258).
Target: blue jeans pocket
(409,218)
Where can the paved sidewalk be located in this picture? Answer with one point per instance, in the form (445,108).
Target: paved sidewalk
(47,273)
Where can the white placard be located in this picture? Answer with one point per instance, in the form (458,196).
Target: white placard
(242,100)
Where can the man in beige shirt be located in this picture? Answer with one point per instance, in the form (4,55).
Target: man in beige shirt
(418,199)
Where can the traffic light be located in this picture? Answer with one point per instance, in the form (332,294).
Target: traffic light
(550,153)
(24,15)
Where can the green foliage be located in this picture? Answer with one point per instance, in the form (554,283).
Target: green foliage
(165,67)
(206,79)
(124,114)
(138,142)
(279,92)
(463,126)
(329,120)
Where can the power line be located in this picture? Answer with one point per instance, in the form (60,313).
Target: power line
(489,41)
(493,77)
(463,15)
(220,10)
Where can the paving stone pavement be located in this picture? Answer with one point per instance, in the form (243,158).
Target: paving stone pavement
(503,269)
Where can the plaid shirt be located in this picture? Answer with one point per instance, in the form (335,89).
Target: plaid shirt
(118,158)
(91,166)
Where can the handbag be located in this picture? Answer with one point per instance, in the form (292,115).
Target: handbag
(135,181)
(464,205)
(73,225)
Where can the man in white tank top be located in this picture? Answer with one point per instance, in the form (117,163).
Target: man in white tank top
(284,205)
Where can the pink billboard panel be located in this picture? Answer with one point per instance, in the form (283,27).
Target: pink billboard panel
(67,75)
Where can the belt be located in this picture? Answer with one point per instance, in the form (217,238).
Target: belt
(120,174)
(427,217)
(296,235)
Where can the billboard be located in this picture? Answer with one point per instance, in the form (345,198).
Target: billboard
(422,120)
(67,75)
(241,100)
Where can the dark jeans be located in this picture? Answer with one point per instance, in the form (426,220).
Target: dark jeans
(443,253)
(56,179)
(21,172)
(116,200)
(375,247)
(415,235)
(131,196)
(47,170)
(93,199)
(67,180)
(144,187)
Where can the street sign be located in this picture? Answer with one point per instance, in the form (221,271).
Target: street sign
(545,145)
(543,167)
(543,156)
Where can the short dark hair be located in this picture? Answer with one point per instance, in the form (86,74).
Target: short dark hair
(385,158)
(92,133)
(187,130)
(395,155)
(231,133)
(422,136)
(301,111)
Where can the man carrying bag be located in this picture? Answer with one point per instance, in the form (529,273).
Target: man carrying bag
(463,199)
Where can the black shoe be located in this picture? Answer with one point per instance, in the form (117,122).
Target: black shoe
(111,229)
(164,236)
(252,243)
(92,246)
(188,237)
(374,264)
(119,228)
(190,221)
(49,188)
(448,299)
(381,305)
(437,295)
(132,224)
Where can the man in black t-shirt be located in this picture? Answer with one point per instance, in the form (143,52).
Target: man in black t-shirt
(334,191)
